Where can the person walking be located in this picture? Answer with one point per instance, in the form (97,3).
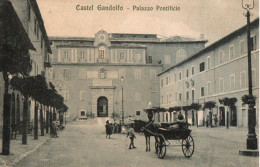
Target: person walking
(108,129)
(131,134)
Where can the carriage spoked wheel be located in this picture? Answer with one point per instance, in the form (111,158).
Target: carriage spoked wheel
(160,146)
(188,146)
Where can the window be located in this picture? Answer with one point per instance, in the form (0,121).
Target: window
(208,62)
(138,112)
(167,59)
(175,77)
(180,55)
(187,73)
(180,75)
(253,43)
(187,95)
(231,52)
(65,73)
(192,94)
(192,70)
(221,57)
(202,93)
(221,85)
(202,66)
(122,56)
(168,80)
(138,73)
(82,73)
(242,47)
(209,87)
(101,53)
(66,54)
(150,60)
(152,74)
(161,83)
(82,95)
(243,79)
(82,55)
(82,113)
(66,95)
(179,96)
(232,82)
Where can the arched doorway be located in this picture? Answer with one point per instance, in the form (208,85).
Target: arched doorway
(102,107)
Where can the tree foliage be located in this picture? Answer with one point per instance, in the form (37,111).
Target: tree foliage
(245,99)
(209,105)
(195,106)
(228,101)
(36,87)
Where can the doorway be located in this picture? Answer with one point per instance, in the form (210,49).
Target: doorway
(102,107)
(221,116)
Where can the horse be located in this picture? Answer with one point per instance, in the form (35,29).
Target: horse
(149,129)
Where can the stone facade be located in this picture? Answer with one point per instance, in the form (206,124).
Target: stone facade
(218,71)
(112,66)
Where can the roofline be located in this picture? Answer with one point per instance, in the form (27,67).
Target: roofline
(215,44)
(41,23)
(91,39)
(130,34)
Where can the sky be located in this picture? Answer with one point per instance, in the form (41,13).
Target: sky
(213,18)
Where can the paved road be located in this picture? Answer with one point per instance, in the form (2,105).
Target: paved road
(83,144)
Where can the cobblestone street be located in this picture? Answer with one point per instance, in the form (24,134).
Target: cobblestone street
(83,143)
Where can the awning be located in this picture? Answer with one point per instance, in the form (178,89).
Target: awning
(11,27)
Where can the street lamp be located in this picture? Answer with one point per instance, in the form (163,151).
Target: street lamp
(251,137)
(122,79)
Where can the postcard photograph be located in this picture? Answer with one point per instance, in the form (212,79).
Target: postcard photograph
(129,83)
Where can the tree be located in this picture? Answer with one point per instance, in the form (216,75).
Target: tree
(245,99)
(210,105)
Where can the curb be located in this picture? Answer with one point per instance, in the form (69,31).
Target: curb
(24,155)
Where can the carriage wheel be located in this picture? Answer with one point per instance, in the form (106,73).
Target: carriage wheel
(160,147)
(188,146)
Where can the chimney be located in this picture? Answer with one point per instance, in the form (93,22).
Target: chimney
(201,36)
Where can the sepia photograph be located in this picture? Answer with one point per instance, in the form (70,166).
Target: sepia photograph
(129,83)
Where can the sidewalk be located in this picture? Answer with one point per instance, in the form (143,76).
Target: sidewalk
(18,151)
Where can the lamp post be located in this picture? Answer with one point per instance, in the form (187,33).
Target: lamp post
(251,137)
(122,79)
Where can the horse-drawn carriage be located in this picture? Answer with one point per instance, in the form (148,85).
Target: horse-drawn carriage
(178,131)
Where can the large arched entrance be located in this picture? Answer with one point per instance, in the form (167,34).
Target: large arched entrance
(102,107)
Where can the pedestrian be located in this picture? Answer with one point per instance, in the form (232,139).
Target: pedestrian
(216,120)
(54,129)
(131,134)
(108,129)
(207,121)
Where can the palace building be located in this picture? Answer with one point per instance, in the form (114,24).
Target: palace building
(114,72)
(218,71)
